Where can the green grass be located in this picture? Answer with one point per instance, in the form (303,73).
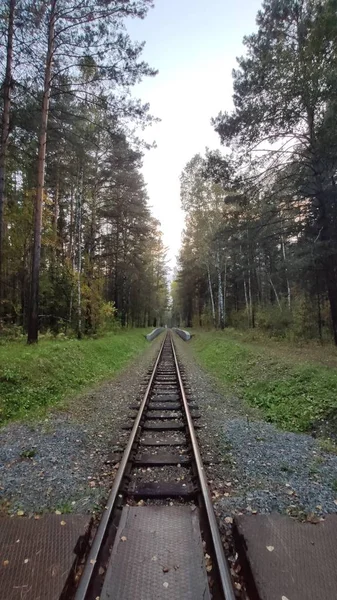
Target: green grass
(290,393)
(35,377)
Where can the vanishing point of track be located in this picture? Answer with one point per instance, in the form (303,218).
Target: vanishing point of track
(160,476)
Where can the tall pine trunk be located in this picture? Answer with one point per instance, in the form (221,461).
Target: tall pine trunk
(7,86)
(33,322)
(79,257)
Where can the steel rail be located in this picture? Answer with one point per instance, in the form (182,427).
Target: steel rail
(89,568)
(224,573)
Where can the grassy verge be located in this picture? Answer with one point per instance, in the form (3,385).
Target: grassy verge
(35,377)
(292,392)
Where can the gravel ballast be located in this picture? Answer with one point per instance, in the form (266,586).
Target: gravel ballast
(67,461)
(255,467)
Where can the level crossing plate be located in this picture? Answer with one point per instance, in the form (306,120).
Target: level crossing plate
(157,554)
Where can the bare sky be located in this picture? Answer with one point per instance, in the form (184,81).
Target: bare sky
(194,44)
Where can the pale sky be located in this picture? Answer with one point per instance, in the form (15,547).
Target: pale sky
(193,44)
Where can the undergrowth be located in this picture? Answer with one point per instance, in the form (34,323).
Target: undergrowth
(296,396)
(35,377)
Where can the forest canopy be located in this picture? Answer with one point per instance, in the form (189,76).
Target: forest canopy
(260,239)
(79,247)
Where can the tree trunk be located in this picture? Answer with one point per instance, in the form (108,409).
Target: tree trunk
(79,257)
(275,292)
(7,86)
(33,322)
(330,278)
(220,299)
(225,293)
(246,300)
(286,272)
(211,294)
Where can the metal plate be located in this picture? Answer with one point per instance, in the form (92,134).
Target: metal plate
(157,555)
(303,559)
(40,553)
(161,489)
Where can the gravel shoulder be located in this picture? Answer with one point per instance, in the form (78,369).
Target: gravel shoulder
(255,467)
(67,461)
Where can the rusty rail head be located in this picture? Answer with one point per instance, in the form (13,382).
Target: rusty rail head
(224,573)
(89,568)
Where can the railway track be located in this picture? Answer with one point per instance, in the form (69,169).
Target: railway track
(158,536)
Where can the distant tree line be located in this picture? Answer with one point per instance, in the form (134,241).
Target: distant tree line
(78,244)
(260,241)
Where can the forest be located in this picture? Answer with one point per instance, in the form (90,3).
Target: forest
(79,248)
(259,246)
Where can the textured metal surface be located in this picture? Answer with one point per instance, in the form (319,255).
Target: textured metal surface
(161,489)
(302,564)
(37,555)
(157,554)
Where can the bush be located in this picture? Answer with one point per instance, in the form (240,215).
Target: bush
(273,320)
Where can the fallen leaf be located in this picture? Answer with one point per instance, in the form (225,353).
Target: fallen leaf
(20,513)
(58,512)
(228,520)
(26,561)
(5,563)
(165,584)
(92,562)
(123,538)
(208,561)
(101,571)
(270,548)
(63,522)
(312,518)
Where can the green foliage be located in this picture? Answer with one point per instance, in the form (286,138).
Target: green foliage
(35,377)
(273,320)
(294,395)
